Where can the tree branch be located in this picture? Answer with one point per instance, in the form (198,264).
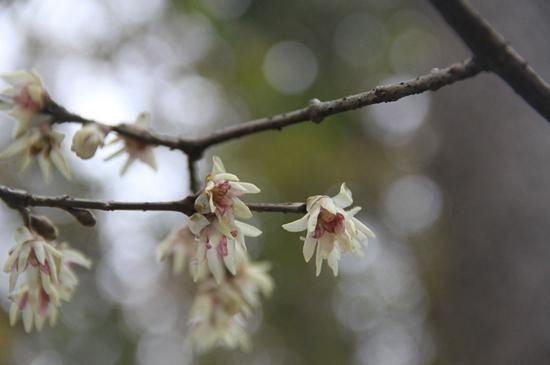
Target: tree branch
(20,199)
(495,54)
(315,112)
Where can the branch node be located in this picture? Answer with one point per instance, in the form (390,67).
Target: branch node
(315,110)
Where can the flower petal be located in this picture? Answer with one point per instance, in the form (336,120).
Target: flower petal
(247,229)
(309,248)
(297,225)
(343,199)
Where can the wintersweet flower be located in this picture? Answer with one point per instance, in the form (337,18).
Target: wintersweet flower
(34,256)
(180,245)
(24,100)
(136,150)
(330,229)
(87,140)
(219,312)
(35,305)
(68,280)
(221,194)
(222,248)
(45,146)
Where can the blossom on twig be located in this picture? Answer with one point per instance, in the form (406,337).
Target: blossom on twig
(330,229)
(219,247)
(219,311)
(48,277)
(87,140)
(136,150)
(24,100)
(44,145)
(221,194)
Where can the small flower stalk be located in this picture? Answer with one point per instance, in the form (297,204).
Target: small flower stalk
(48,278)
(136,150)
(330,230)
(24,100)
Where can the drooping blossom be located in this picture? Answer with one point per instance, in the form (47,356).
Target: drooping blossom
(68,280)
(87,140)
(45,276)
(220,311)
(221,194)
(35,306)
(136,150)
(24,100)
(180,246)
(34,256)
(330,229)
(220,247)
(44,145)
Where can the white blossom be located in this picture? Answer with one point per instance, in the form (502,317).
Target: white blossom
(219,312)
(48,278)
(44,145)
(87,140)
(24,100)
(220,246)
(221,195)
(136,150)
(330,229)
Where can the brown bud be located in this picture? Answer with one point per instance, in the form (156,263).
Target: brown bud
(83,216)
(43,226)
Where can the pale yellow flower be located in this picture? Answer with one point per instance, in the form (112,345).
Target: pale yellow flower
(220,247)
(48,278)
(221,195)
(24,100)
(42,144)
(87,140)
(330,229)
(136,150)
(219,312)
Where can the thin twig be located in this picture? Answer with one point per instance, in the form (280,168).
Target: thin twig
(20,199)
(495,53)
(315,112)
(194,182)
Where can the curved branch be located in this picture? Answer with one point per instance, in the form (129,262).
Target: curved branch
(20,199)
(495,54)
(315,112)
(318,110)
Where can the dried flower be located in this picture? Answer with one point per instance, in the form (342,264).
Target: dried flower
(221,195)
(87,140)
(45,146)
(136,150)
(330,229)
(25,100)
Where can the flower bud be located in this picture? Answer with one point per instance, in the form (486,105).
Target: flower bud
(44,227)
(87,140)
(83,216)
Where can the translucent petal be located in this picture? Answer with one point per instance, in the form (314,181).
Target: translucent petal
(115,154)
(309,248)
(216,265)
(148,157)
(343,199)
(244,187)
(197,222)
(332,261)
(15,148)
(247,229)
(129,161)
(318,260)
(22,234)
(45,167)
(27,318)
(241,209)
(14,313)
(217,166)
(297,225)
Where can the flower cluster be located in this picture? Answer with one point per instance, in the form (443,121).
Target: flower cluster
(331,230)
(213,236)
(219,311)
(213,245)
(48,273)
(28,102)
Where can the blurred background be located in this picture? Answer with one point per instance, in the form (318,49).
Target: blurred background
(454,183)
